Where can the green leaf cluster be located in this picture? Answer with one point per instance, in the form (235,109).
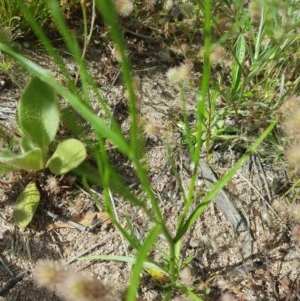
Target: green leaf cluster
(38,119)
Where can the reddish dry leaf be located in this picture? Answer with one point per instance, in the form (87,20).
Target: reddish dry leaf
(86,220)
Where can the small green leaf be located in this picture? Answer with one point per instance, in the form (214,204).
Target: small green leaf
(31,161)
(38,114)
(67,156)
(26,205)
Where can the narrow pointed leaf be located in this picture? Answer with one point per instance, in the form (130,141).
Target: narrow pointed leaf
(67,156)
(26,205)
(236,68)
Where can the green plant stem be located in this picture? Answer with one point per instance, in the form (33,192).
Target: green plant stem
(87,35)
(195,155)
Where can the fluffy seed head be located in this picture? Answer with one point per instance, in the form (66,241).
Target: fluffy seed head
(168,5)
(228,297)
(292,124)
(186,276)
(296,232)
(52,185)
(124,7)
(290,111)
(48,273)
(295,212)
(81,287)
(255,10)
(71,285)
(293,157)
(152,130)
(181,74)
(289,106)
(218,55)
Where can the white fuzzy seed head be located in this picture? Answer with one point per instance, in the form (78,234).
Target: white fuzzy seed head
(124,7)
(48,273)
(181,74)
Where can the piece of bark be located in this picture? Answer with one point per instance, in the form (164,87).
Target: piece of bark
(231,213)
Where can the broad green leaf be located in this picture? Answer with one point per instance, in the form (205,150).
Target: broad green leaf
(67,156)
(38,114)
(26,144)
(26,205)
(31,161)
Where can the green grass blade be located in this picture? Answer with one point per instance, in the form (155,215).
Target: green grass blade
(120,258)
